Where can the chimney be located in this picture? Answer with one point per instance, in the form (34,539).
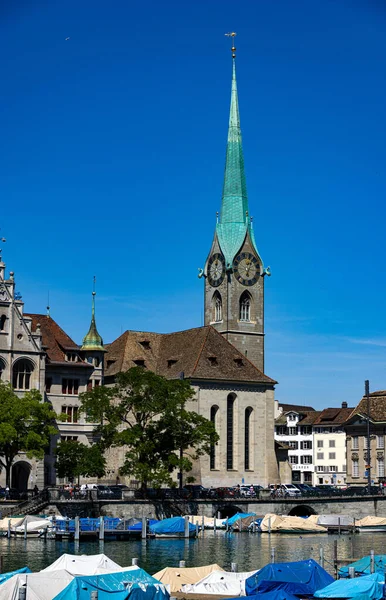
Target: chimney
(344,405)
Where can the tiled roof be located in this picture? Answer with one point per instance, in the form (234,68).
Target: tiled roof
(294,407)
(333,416)
(55,341)
(200,353)
(310,417)
(377,407)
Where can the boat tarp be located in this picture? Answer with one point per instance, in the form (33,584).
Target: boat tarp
(84,565)
(6,576)
(305,577)
(31,523)
(136,585)
(138,526)
(40,586)
(371,522)
(362,566)
(221,583)
(208,521)
(291,524)
(176,578)
(173,525)
(334,520)
(14,522)
(238,516)
(274,595)
(370,586)
(244,524)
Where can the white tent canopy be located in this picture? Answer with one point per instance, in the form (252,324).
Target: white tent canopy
(221,583)
(40,586)
(85,565)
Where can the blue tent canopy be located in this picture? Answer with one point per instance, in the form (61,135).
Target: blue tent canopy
(237,517)
(136,585)
(302,577)
(369,586)
(362,566)
(5,576)
(173,525)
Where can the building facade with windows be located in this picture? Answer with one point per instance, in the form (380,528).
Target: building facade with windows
(35,353)
(330,461)
(357,440)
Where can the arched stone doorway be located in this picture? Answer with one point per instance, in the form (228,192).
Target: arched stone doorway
(20,474)
(225,511)
(302,510)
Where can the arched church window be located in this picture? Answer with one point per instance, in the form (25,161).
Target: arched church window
(3,319)
(217,307)
(2,368)
(213,417)
(230,430)
(245,307)
(22,371)
(247,438)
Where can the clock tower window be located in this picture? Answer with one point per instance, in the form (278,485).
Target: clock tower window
(217,307)
(3,319)
(245,307)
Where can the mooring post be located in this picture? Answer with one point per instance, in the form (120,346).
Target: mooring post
(144,528)
(197,529)
(134,562)
(1,563)
(203,524)
(254,527)
(269,524)
(336,558)
(338,525)
(234,567)
(214,523)
(186,530)
(321,556)
(25,528)
(9,529)
(182,564)
(94,595)
(101,529)
(240,525)
(226,525)
(351,572)
(77,529)
(23,593)
(272,555)
(372,562)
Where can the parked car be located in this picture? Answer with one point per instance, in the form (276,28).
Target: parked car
(306,490)
(197,491)
(104,491)
(286,489)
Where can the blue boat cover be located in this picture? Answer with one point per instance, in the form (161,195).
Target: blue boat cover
(136,585)
(237,517)
(173,525)
(275,595)
(362,566)
(369,586)
(138,526)
(5,576)
(302,577)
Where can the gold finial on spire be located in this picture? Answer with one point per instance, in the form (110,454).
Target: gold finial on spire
(93,286)
(232,35)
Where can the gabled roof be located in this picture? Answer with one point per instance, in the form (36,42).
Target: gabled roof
(306,417)
(377,408)
(333,416)
(55,340)
(294,407)
(200,353)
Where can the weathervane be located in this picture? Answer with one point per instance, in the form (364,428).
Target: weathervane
(232,35)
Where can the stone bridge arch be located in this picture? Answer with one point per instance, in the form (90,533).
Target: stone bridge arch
(226,510)
(301,510)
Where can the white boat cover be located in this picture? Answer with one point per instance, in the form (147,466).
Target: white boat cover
(85,565)
(331,520)
(290,524)
(33,524)
(177,577)
(15,521)
(371,521)
(220,582)
(40,586)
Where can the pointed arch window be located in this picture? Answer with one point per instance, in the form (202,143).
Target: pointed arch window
(230,430)
(217,307)
(214,418)
(2,368)
(247,438)
(3,319)
(22,371)
(245,307)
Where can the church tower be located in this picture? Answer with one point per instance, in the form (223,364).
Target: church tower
(234,272)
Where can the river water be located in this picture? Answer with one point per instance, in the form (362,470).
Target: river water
(250,551)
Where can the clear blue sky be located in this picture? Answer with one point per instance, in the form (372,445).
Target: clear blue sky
(112,158)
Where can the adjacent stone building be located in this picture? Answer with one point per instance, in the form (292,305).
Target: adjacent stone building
(357,445)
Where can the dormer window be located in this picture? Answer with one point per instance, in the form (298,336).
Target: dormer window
(139,363)
(145,344)
(171,362)
(71,357)
(213,360)
(110,362)
(292,417)
(239,362)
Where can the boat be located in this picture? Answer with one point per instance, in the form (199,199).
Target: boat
(220,582)
(369,587)
(177,578)
(275,524)
(363,566)
(371,525)
(172,528)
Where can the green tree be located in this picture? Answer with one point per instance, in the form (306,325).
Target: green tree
(147,414)
(74,459)
(26,424)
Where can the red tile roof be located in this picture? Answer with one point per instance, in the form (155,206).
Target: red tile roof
(55,341)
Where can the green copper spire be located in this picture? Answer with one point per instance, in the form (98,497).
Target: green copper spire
(234,217)
(93,341)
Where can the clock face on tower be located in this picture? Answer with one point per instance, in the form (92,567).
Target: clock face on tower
(246,268)
(216,269)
